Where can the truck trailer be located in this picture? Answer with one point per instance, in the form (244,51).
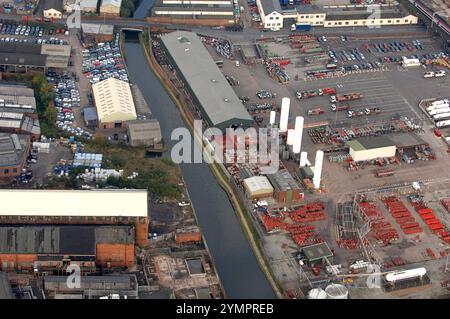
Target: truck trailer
(301,27)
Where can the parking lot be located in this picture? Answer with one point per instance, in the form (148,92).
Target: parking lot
(104,61)
(33,33)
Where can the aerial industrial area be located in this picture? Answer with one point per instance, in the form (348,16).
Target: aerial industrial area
(134,141)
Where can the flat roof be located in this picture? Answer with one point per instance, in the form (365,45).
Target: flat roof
(407,140)
(94,28)
(218,100)
(317,251)
(90,113)
(370,142)
(27,202)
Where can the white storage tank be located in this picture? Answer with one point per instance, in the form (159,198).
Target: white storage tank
(336,291)
(317,293)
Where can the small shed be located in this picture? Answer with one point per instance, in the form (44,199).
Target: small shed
(144,133)
(317,253)
(257,187)
(90,116)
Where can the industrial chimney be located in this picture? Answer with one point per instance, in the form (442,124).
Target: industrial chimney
(318,169)
(299,120)
(284,117)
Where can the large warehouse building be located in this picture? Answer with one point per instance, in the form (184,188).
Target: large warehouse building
(210,90)
(215,12)
(69,207)
(370,148)
(16,57)
(274,16)
(47,248)
(114,103)
(14,150)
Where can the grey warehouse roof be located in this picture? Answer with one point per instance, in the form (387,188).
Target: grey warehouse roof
(375,142)
(93,28)
(271,5)
(219,102)
(12,147)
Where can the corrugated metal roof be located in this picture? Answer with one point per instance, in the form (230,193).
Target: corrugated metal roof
(29,240)
(144,130)
(283,180)
(218,100)
(11,148)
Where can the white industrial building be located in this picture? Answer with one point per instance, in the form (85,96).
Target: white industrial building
(114,103)
(370,148)
(257,187)
(273,15)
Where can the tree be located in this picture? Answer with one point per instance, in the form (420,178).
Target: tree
(50,114)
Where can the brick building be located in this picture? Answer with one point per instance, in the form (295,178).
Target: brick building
(76,207)
(14,150)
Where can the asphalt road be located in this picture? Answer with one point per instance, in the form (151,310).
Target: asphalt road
(249,34)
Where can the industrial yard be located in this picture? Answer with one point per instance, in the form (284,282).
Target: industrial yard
(377,142)
(100,170)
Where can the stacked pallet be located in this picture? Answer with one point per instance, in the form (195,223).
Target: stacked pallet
(402,216)
(302,233)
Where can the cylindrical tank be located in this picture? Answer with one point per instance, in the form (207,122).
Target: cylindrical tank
(299,121)
(272,117)
(284,116)
(336,291)
(317,293)
(318,169)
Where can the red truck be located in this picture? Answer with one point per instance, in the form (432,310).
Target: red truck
(316,111)
(328,91)
(345,97)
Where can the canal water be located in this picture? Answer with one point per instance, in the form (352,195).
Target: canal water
(235,262)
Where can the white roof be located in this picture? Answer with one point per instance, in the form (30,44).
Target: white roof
(112,203)
(114,101)
(258,184)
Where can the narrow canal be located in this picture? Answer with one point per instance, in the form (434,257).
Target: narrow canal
(235,262)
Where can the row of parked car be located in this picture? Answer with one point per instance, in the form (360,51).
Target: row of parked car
(104,61)
(67,97)
(21,29)
(37,41)
(344,56)
(394,46)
